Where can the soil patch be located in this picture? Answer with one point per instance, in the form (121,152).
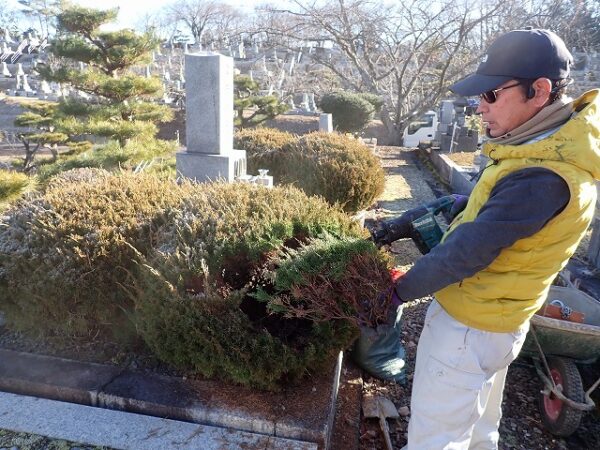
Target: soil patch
(463,158)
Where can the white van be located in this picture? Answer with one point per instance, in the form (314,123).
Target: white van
(421,130)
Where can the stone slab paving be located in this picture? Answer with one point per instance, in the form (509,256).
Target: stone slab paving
(97,426)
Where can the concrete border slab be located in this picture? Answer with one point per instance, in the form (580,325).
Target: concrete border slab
(305,412)
(53,378)
(456,176)
(123,430)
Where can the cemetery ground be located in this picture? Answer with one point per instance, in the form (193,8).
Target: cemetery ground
(408,184)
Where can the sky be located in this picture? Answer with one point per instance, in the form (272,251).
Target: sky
(131,11)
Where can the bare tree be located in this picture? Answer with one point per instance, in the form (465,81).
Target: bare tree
(407,53)
(576,21)
(228,26)
(205,19)
(159,24)
(43,11)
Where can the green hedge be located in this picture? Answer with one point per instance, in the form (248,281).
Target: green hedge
(351,112)
(180,266)
(335,167)
(155,155)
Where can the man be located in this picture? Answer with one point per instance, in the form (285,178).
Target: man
(524,219)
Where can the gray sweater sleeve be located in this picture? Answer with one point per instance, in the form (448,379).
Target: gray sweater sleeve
(519,205)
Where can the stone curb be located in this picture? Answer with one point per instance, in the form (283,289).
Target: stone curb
(304,413)
(456,176)
(103,427)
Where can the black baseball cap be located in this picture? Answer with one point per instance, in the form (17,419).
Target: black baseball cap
(530,53)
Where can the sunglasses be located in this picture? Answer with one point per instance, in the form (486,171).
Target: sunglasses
(492,96)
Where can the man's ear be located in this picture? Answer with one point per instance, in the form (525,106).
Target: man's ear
(542,87)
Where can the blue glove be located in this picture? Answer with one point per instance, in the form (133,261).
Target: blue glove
(460,202)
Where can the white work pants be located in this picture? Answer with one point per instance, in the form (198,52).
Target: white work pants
(458,382)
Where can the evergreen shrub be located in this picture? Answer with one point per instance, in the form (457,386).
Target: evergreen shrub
(13,185)
(373,99)
(188,269)
(65,252)
(338,168)
(143,150)
(351,112)
(194,302)
(330,279)
(266,148)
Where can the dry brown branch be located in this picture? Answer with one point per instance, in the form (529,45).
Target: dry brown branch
(362,296)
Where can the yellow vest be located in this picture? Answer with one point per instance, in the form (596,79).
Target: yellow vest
(504,296)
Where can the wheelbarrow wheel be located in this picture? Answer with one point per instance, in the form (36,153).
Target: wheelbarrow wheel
(559,418)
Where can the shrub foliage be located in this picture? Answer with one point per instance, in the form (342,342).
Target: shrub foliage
(188,267)
(351,112)
(154,155)
(335,167)
(330,279)
(13,185)
(64,253)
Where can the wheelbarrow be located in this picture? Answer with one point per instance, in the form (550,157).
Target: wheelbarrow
(556,347)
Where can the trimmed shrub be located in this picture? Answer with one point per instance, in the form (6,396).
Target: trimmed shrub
(194,306)
(183,267)
(351,112)
(373,99)
(155,154)
(335,167)
(341,169)
(64,253)
(330,279)
(265,149)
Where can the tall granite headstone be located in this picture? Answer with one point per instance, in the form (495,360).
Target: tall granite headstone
(209,154)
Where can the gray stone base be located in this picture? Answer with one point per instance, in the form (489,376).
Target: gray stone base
(459,178)
(116,429)
(304,412)
(202,167)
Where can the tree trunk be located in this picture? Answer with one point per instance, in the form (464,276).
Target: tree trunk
(29,155)
(393,130)
(54,151)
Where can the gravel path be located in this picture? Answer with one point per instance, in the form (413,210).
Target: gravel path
(409,184)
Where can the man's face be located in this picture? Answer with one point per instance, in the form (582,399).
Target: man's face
(510,110)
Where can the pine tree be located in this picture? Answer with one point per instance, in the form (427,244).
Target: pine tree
(247,97)
(40,131)
(120,105)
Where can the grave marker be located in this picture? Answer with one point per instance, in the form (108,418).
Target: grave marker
(5,72)
(326,123)
(209,154)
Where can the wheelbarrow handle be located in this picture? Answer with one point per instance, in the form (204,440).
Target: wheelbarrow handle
(588,397)
(550,386)
(557,390)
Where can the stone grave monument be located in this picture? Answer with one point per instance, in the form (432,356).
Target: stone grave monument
(5,72)
(26,86)
(305,105)
(326,123)
(209,154)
